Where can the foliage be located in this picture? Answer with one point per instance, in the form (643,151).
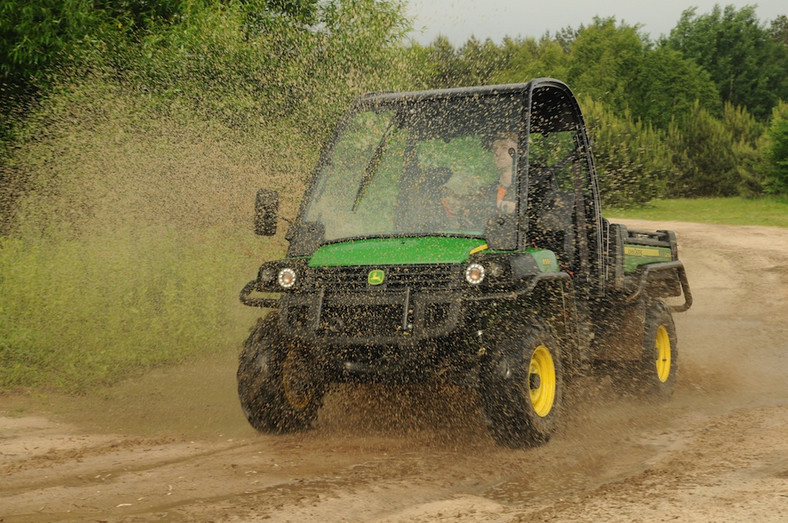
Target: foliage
(633,162)
(703,155)
(747,146)
(618,65)
(604,59)
(775,168)
(237,62)
(665,84)
(530,58)
(35,35)
(746,61)
(41,40)
(475,63)
(716,157)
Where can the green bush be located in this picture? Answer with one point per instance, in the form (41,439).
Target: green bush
(704,156)
(776,152)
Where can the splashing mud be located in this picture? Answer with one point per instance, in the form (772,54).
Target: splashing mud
(131,238)
(174,444)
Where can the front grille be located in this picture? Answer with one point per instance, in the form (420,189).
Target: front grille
(396,277)
(297,316)
(367,320)
(369,317)
(436,313)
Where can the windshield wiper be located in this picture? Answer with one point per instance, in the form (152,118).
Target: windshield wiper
(372,167)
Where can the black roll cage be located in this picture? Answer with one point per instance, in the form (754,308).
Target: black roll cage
(549,105)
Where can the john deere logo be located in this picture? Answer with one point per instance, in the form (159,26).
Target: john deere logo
(376,277)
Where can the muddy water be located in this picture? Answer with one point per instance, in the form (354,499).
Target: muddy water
(174,444)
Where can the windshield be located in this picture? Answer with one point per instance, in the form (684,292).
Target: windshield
(430,167)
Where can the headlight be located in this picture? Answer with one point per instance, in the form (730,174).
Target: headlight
(286,278)
(474,274)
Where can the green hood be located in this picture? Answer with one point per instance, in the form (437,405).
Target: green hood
(397,251)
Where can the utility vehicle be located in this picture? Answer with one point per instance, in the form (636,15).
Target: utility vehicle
(423,252)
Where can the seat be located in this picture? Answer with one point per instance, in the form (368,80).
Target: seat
(551,215)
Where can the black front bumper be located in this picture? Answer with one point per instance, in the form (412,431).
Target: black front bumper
(370,318)
(392,337)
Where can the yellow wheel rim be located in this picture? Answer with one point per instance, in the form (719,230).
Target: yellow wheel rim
(662,346)
(541,381)
(297,389)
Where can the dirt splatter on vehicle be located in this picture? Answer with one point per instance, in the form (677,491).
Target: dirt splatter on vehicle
(456,236)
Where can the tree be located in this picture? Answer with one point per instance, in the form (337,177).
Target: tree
(634,163)
(704,157)
(475,63)
(480,61)
(779,29)
(747,137)
(35,35)
(667,84)
(604,59)
(441,64)
(748,65)
(530,58)
(776,152)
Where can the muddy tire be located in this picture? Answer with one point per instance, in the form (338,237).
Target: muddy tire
(521,388)
(279,385)
(655,374)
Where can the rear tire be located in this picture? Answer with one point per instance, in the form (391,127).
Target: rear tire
(656,372)
(521,388)
(653,376)
(279,385)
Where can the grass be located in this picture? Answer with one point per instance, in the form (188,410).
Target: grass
(77,313)
(770,211)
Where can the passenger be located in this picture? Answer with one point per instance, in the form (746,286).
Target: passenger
(504,149)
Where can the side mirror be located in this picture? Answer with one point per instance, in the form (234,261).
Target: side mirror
(266,209)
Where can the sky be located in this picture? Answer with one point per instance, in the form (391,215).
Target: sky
(460,19)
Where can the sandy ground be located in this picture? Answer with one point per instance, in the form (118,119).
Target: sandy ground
(174,445)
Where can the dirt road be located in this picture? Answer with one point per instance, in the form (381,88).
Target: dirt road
(174,445)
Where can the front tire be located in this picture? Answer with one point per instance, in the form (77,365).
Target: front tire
(279,385)
(521,388)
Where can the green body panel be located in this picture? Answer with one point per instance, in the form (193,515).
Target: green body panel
(545,259)
(637,255)
(413,251)
(396,251)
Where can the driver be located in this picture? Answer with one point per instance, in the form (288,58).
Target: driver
(465,202)
(458,195)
